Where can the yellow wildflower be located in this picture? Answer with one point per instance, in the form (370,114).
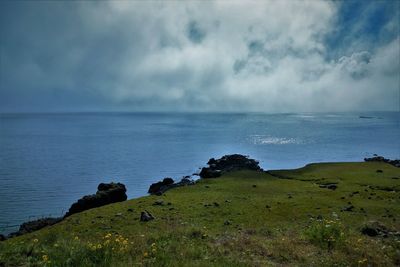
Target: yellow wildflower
(145,254)
(76,238)
(45,258)
(35,240)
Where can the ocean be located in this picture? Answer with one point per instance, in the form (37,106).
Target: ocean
(48,161)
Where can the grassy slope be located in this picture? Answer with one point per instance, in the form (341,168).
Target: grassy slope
(192,231)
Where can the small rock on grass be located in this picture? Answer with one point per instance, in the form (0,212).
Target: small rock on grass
(146,216)
(347,208)
(328,186)
(227,222)
(158,203)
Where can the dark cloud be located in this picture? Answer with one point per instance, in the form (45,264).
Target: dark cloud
(195,33)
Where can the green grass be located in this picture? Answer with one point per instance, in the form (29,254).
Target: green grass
(259,220)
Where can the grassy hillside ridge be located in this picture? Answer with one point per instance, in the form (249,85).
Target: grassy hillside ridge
(243,218)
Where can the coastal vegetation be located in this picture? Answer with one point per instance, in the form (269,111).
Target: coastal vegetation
(326,214)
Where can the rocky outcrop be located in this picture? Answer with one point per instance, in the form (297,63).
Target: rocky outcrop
(161,187)
(394,162)
(31,226)
(228,163)
(106,194)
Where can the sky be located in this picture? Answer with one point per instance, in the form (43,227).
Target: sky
(203,56)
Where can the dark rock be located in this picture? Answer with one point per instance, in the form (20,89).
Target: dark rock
(106,194)
(347,208)
(228,163)
(328,186)
(31,226)
(2,237)
(216,204)
(158,203)
(254,185)
(146,216)
(379,171)
(209,173)
(395,162)
(227,222)
(130,210)
(211,161)
(161,187)
(375,229)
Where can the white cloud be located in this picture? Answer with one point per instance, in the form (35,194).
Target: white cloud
(243,55)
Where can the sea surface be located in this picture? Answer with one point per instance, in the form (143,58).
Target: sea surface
(48,161)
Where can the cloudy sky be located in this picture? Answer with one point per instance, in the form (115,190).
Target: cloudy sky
(268,56)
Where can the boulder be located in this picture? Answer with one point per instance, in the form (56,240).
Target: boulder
(146,216)
(228,163)
(375,228)
(106,194)
(2,237)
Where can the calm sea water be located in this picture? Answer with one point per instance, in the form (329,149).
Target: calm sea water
(48,161)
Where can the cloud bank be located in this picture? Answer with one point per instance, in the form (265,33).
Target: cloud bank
(268,56)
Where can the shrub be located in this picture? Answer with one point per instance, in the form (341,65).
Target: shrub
(327,234)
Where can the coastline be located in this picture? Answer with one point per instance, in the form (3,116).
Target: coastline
(280,213)
(116,192)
